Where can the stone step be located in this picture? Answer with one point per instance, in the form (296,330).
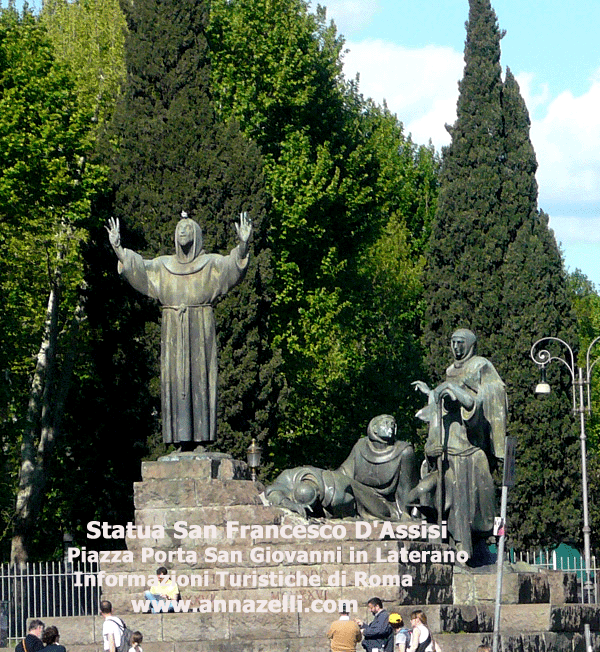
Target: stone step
(444,620)
(529,641)
(194,492)
(416,595)
(528,587)
(209,468)
(524,642)
(431,584)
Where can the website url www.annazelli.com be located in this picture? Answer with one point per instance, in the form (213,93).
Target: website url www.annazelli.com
(288,604)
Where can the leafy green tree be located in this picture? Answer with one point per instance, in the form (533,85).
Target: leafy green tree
(45,201)
(276,68)
(586,303)
(89,37)
(494,266)
(345,184)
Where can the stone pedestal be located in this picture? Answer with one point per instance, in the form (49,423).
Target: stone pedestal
(270,588)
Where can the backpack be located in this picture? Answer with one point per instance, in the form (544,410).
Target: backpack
(407,633)
(126,635)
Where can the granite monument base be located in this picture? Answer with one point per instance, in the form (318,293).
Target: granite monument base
(258,578)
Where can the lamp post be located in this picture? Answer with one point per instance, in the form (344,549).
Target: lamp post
(580,379)
(254,455)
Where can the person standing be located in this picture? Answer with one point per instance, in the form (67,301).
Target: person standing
(378,634)
(33,641)
(401,633)
(50,638)
(112,627)
(421,639)
(344,633)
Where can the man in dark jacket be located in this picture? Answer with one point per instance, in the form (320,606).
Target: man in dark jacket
(378,635)
(33,640)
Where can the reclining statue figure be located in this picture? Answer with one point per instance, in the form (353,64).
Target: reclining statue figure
(374,481)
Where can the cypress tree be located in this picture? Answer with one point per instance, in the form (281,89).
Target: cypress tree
(494,266)
(466,245)
(171,154)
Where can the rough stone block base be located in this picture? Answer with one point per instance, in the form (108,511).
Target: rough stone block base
(177,632)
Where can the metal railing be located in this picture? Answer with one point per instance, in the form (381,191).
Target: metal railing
(43,590)
(551,560)
(49,590)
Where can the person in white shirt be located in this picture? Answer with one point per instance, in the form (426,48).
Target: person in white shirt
(401,633)
(111,629)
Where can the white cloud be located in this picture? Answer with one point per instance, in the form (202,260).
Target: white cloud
(351,15)
(579,238)
(533,99)
(567,143)
(419,85)
(572,230)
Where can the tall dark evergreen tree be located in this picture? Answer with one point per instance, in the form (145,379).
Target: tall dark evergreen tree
(494,266)
(171,154)
(468,239)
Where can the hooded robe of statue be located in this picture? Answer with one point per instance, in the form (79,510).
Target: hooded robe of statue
(470,441)
(383,471)
(186,285)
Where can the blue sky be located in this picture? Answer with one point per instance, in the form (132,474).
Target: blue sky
(411,54)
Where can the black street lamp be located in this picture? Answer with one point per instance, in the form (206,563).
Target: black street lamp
(582,406)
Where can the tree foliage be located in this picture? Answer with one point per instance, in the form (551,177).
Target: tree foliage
(349,191)
(323,333)
(88,36)
(494,266)
(45,199)
(169,153)
(586,303)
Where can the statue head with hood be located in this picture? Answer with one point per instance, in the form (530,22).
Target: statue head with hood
(382,429)
(188,239)
(464,345)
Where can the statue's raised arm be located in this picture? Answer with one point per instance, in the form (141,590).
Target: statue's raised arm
(114,237)
(244,231)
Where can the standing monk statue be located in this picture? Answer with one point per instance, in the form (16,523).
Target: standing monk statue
(186,284)
(467,428)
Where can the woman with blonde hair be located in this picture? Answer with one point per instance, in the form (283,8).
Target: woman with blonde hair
(421,639)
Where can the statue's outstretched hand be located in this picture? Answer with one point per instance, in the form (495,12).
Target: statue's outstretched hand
(114,233)
(443,389)
(244,228)
(423,387)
